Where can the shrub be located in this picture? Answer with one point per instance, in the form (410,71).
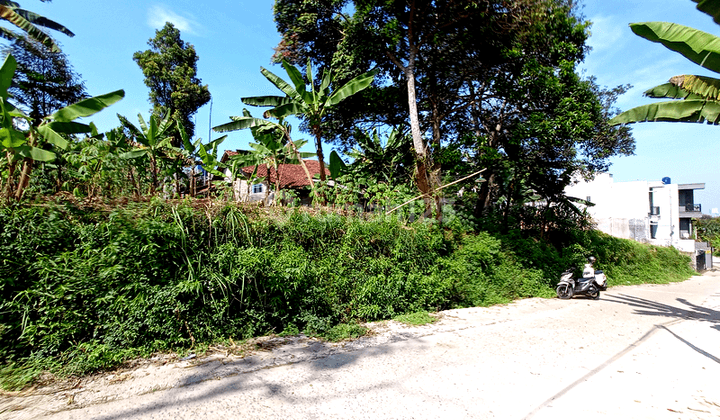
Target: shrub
(84,289)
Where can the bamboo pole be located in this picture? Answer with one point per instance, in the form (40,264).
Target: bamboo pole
(438,189)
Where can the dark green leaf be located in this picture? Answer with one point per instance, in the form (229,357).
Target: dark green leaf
(88,106)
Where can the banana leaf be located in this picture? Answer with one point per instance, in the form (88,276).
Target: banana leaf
(697,46)
(87,107)
(696,111)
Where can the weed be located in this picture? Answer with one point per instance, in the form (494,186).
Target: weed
(416,318)
(290,330)
(342,332)
(15,377)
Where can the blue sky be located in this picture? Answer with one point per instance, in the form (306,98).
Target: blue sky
(234,39)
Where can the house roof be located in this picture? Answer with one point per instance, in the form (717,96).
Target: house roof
(291,175)
(229,153)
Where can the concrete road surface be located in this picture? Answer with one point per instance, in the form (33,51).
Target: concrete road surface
(640,352)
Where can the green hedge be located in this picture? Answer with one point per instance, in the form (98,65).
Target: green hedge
(84,290)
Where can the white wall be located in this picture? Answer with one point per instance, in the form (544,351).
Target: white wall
(242,190)
(622,209)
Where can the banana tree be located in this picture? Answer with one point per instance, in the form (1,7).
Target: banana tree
(262,127)
(154,140)
(383,163)
(311,103)
(693,98)
(27,21)
(28,146)
(272,149)
(196,153)
(94,167)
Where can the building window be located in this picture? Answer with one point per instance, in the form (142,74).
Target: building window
(653,231)
(650,196)
(685,228)
(257,188)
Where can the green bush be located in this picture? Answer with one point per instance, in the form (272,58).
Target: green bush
(84,290)
(485,272)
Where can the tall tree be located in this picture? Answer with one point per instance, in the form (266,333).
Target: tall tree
(694,98)
(44,81)
(465,69)
(170,69)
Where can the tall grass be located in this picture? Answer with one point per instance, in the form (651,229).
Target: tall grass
(84,290)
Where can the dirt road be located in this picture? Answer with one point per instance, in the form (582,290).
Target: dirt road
(640,352)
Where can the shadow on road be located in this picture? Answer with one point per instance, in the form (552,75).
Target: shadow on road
(649,307)
(166,406)
(691,312)
(692,346)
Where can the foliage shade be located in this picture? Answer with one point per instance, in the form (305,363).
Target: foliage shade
(494,82)
(708,230)
(28,22)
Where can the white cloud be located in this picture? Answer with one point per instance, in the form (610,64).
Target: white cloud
(606,32)
(158,15)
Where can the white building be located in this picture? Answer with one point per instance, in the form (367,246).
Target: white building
(656,212)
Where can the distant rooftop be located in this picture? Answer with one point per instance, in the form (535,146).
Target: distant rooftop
(695,186)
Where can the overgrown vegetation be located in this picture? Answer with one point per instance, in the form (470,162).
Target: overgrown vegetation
(708,229)
(85,289)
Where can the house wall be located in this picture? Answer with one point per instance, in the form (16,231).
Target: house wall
(665,197)
(242,190)
(622,209)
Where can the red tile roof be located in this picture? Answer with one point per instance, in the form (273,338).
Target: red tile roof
(228,153)
(291,175)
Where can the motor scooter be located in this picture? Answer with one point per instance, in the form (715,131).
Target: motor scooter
(592,282)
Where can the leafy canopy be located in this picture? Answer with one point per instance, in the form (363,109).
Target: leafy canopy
(170,69)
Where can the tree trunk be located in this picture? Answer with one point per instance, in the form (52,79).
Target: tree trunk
(486,189)
(24,178)
(484,196)
(58,180)
(193,182)
(423,161)
(277,184)
(153,170)
(135,184)
(11,173)
(302,164)
(320,155)
(436,170)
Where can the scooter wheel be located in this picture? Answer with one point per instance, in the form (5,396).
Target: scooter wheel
(595,295)
(564,291)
